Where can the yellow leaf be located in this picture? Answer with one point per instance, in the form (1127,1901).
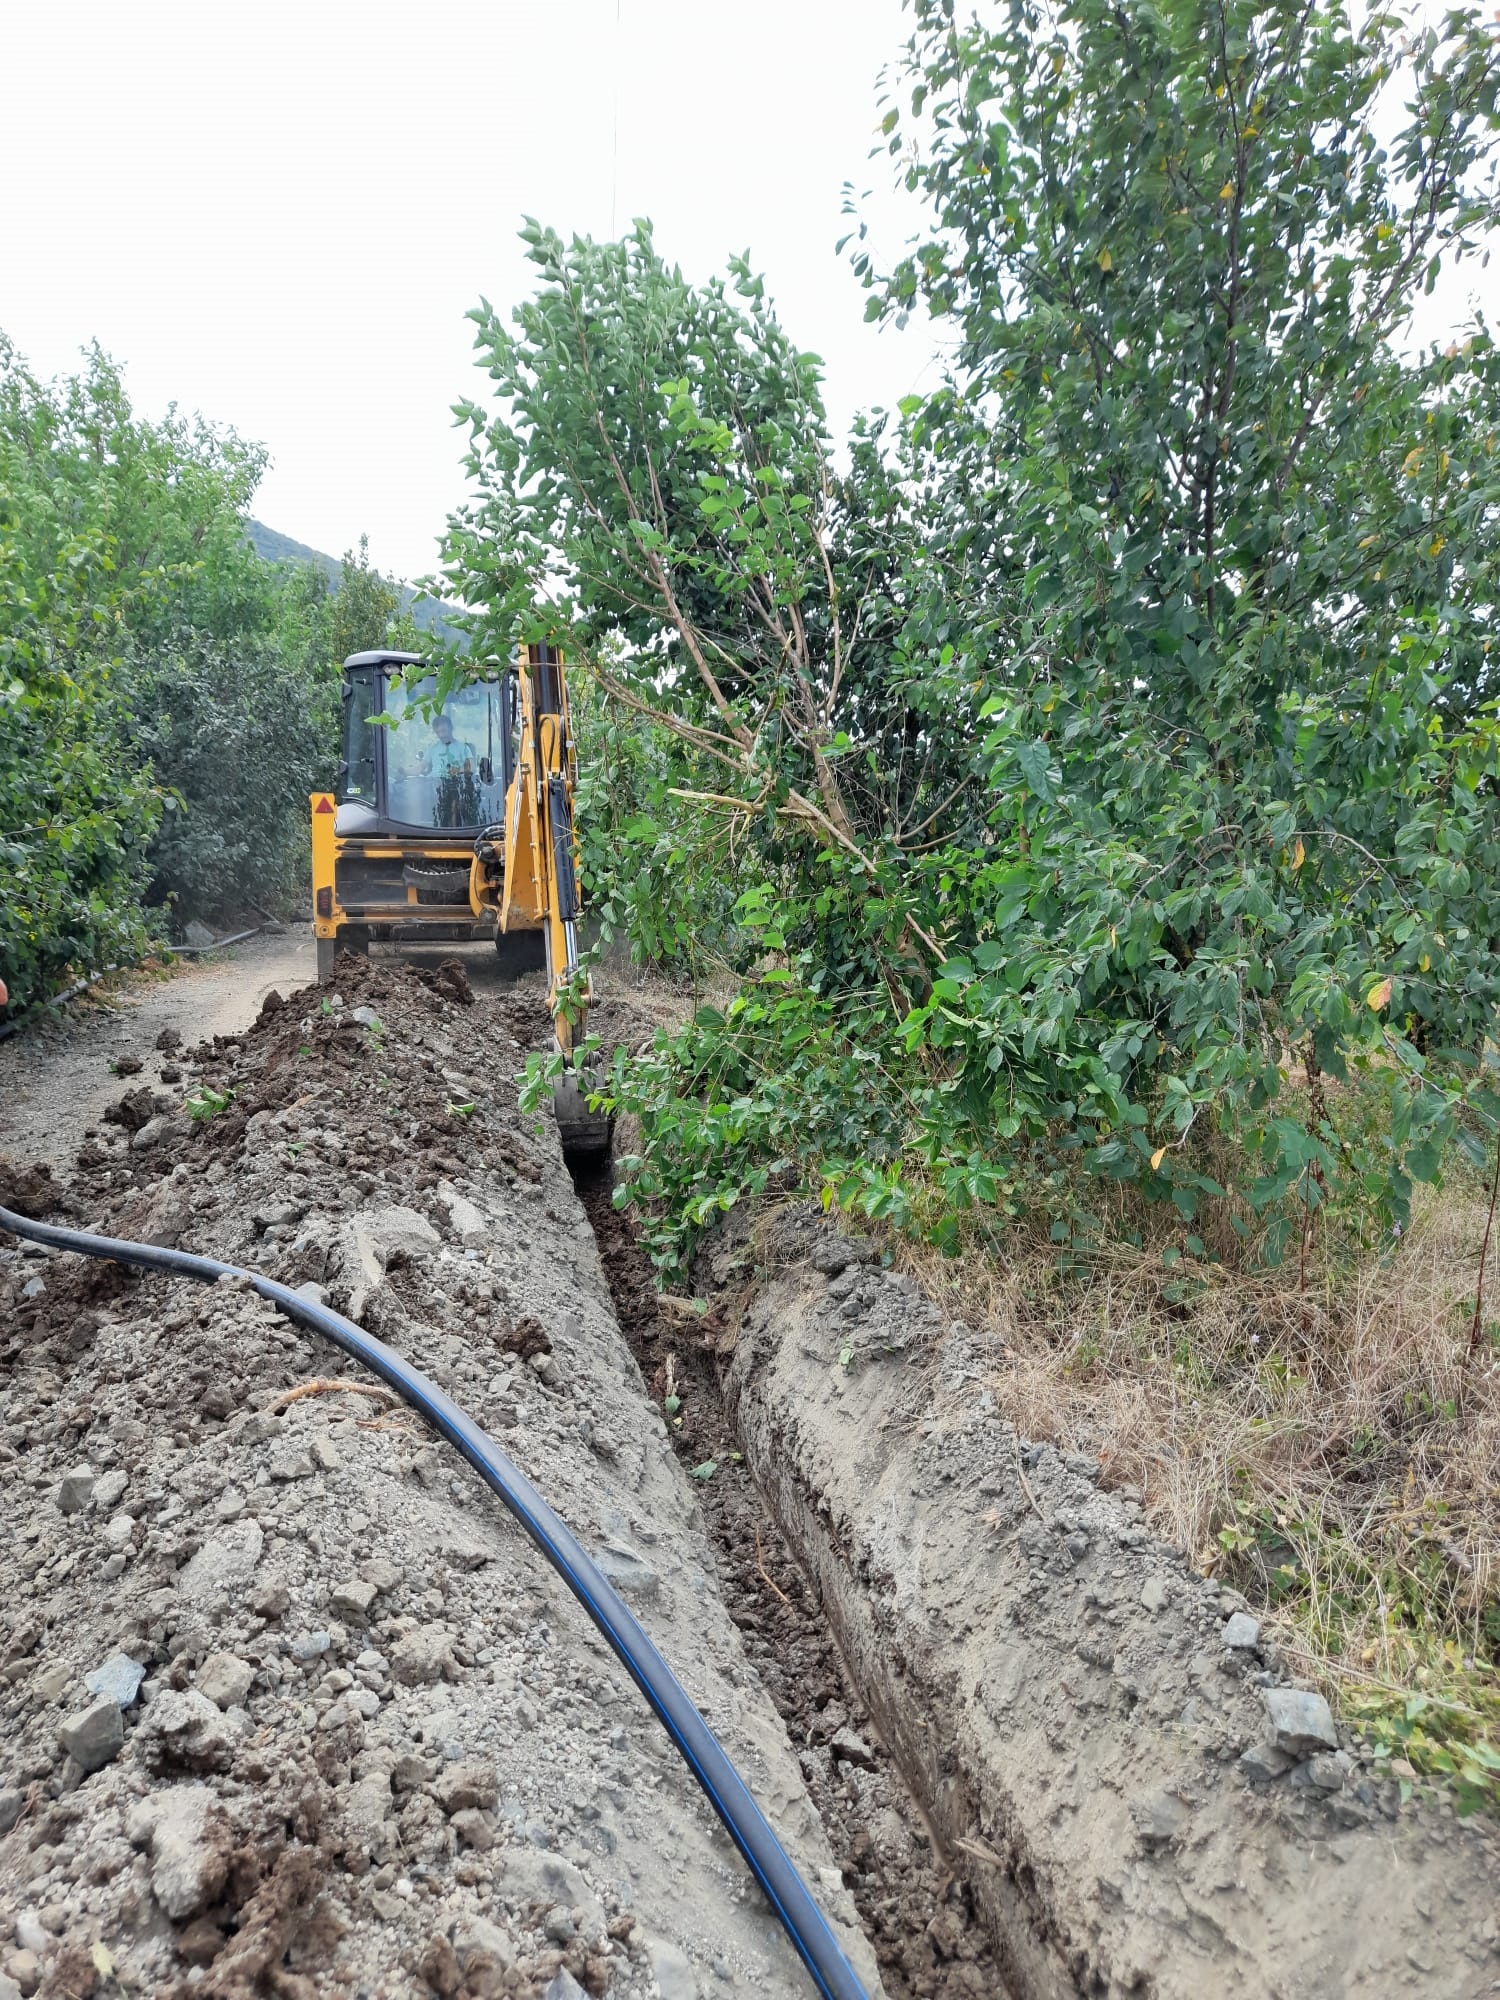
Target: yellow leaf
(104,1965)
(1106,262)
(1424,964)
(1437,546)
(1226,193)
(1411,461)
(1299,855)
(1157,1157)
(1380,996)
(1369,541)
(1113,936)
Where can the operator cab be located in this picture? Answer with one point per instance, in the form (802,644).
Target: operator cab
(424,768)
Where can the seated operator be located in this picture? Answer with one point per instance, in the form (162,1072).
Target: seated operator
(452,764)
(448,753)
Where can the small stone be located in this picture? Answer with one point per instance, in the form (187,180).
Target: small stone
(440,1967)
(481,1947)
(470,1224)
(558,1925)
(225,1679)
(271,1599)
(1154,1593)
(627,1569)
(832,1254)
(366,1017)
(475,1829)
(467,1785)
(24,1972)
(1301,1722)
(1327,1771)
(93,1735)
(198,935)
(53,1682)
(31,1932)
(11,1802)
(851,1748)
(76,1490)
(119,1677)
(309,1646)
(151,1133)
(382,1574)
(190,1847)
(325,1453)
(1159,1818)
(293,1461)
(409,1771)
(1262,1762)
(120,1531)
(183,1730)
(283,1215)
(563,1986)
(1242,1633)
(224,1563)
(109,1489)
(352,1599)
(422,1657)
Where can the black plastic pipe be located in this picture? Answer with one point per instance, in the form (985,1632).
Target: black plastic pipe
(802,1920)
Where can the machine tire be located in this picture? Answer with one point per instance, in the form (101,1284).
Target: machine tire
(520,952)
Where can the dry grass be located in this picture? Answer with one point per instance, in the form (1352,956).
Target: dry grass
(1323,1446)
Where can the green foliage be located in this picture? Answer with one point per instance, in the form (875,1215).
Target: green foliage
(1116,736)
(167,698)
(246,733)
(75,813)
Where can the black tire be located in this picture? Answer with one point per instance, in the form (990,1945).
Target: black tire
(520,952)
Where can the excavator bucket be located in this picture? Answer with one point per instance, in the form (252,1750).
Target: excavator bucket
(585,1134)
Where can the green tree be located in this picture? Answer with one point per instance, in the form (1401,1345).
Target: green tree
(1177,596)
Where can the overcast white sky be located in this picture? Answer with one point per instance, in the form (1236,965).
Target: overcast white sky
(279,214)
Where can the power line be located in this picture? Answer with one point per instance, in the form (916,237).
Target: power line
(614,164)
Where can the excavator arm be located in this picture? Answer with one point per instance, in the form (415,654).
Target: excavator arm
(541,874)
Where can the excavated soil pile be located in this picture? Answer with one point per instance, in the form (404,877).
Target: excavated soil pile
(930,1940)
(288,1705)
(1105,1741)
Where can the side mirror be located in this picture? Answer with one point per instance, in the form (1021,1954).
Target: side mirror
(486,771)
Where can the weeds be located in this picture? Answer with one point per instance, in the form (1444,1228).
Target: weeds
(1317,1438)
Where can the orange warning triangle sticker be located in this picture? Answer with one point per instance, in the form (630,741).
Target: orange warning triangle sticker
(323,806)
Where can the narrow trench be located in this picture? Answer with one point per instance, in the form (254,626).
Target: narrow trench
(929,1940)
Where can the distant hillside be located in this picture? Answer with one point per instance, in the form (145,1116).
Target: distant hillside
(430,614)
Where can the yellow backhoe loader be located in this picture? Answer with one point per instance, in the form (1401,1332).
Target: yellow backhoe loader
(455,821)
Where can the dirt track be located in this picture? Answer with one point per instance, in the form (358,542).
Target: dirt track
(56,1077)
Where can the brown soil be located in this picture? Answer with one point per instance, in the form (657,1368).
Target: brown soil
(930,1942)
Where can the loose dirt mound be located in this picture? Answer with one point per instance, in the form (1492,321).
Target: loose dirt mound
(287,1705)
